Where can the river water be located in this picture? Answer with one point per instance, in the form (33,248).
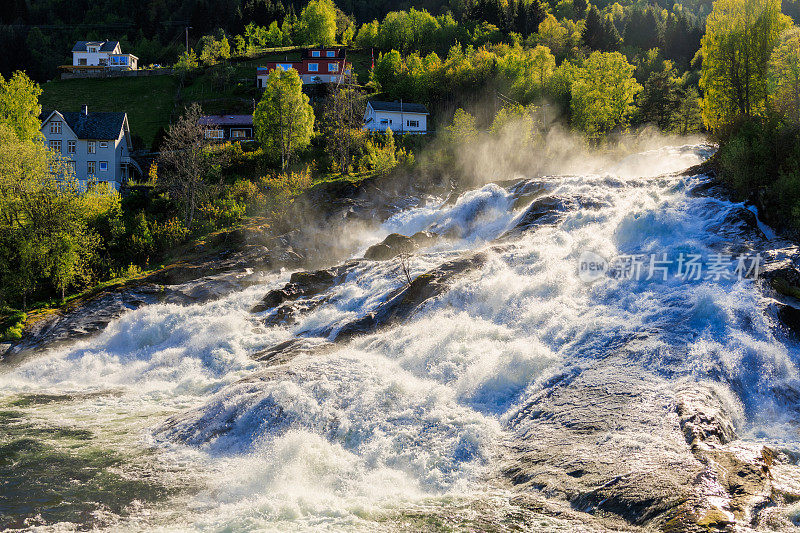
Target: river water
(504,402)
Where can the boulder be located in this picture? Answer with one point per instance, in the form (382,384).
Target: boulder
(396,244)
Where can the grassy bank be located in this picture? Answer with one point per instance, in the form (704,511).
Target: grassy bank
(148,100)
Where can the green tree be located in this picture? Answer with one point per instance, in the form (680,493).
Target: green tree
(343,117)
(45,233)
(689,115)
(660,98)
(318,23)
(784,75)
(186,62)
(239,46)
(739,39)
(19,106)
(184,162)
(600,32)
(603,93)
(283,119)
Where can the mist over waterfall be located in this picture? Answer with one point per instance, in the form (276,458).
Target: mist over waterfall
(473,381)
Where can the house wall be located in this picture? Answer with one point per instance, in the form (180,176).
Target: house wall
(93,59)
(307,76)
(113,154)
(373,121)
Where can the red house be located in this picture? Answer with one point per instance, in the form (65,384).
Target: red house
(316,65)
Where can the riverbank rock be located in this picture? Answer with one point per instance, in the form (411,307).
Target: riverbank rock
(407,299)
(396,244)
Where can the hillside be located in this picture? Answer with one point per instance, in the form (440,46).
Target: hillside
(152,101)
(149,101)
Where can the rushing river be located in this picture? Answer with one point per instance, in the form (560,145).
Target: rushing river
(509,401)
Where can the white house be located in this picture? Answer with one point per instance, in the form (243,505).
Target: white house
(97,145)
(88,55)
(401,117)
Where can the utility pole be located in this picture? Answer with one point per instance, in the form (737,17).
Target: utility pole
(187,40)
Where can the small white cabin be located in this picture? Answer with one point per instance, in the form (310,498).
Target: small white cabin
(400,117)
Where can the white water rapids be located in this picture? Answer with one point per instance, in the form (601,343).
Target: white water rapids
(407,425)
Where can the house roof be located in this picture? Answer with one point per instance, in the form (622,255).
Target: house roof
(226,120)
(105,46)
(306,54)
(94,125)
(407,107)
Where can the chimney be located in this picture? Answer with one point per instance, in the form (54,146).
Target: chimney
(85,109)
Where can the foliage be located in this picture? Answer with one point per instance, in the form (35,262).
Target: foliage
(184,163)
(283,119)
(45,220)
(186,63)
(603,93)
(784,75)
(342,126)
(318,23)
(660,97)
(740,36)
(760,159)
(19,106)
(380,154)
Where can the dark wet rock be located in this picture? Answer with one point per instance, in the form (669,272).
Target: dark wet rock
(406,300)
(711,189)
(289,349)
(599,421)
(303,285)
(396,244)
(527,190)
(704,417)
(544,211)
(739,223)
(789,318)
(82,319)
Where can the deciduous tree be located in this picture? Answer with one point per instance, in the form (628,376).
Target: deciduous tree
(283,119)
(740,36)
(184,162)
(784,75)
(342,125)
(603,93)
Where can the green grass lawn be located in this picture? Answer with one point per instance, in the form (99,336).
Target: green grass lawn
(149,101)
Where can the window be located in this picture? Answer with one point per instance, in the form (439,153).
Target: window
(330,53)
(90,168)
(103,166)
(333,67)
(313,67)
(71,167)
(215,134)
(103,144)
(92,50)
(90,148)
(315,53)
(71,147)
(384,121)
(55,146)
(240,134)
(285,66)
(412,123)
(82,61)
(55,126)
